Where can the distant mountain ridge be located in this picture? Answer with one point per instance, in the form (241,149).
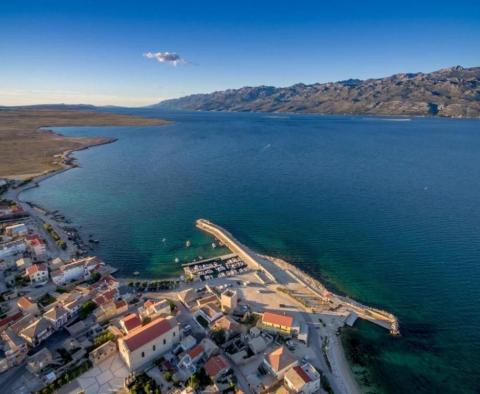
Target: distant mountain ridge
(449,92)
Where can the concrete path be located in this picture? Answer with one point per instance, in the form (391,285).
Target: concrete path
(106,377)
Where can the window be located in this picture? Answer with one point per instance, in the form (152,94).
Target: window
(164,341)
(174,333)
(154,347)
(143,354)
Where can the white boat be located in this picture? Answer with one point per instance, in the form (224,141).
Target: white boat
(188,243)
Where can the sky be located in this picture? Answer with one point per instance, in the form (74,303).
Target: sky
(135,53)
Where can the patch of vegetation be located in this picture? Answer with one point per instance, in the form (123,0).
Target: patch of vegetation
(86,308)
(325,383)
(51,231)
(66,357)
(66,377)
(21,280)
(143,384)
(199,379)
(94,277)
(46,299)
(168,376)
(219,336)
(104,337)
(203,322)
(61,290)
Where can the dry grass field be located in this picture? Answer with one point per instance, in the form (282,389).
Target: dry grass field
(26,151)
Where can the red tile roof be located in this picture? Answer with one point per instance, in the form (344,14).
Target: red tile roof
(195,351)
(277,319)
(24,302)
(36,268)
(131,321)
(207,300)
(10,319)
(105,297)
(120,304)
(215,365)
(302,374)
(151,331)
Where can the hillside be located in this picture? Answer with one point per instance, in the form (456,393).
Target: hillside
(450,92)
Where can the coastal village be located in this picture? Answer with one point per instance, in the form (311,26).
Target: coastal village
(237,323)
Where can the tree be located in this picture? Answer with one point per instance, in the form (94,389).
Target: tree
(219,336)
(86,309)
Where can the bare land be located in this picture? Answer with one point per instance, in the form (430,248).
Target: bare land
(26,151)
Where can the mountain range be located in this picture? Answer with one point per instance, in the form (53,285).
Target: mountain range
(449,92)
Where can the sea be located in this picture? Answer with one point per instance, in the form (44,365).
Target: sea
(385,210)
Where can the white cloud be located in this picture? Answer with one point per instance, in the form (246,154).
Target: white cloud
(171,58)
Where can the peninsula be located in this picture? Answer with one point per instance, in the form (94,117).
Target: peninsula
(28,148)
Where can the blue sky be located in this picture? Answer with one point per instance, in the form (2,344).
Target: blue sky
(94,51)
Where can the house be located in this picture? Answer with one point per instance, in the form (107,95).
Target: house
(303,379)
(14,350)
(130,322)
(16,230)
(57,315)
(281,323)
(187,297)
(26,305)
(38,273)
(109,310)
(73,303)
(216,366)
(229,300)
(212,298)
(39,360)
(76,270)
(56,263)
(105,283)
(279,361)
(9,320)
(187,343)
(37,331)
(11,248)
(102,352)
(226,323)
(23,263)
(106,297)
(145,344)
(154,309)
(191,357)
(38,247)
(209,312)
(257,344)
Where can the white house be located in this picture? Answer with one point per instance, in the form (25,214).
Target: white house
(303,379)
(38,247)
(16,230)
(153,309)
(147,343)
(279,361)
(11,248)
(57,315)
(76,270)
(37,273)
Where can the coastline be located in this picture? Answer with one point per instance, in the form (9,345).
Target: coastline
(342,374)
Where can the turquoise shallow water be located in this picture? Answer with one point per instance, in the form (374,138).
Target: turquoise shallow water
(383,210)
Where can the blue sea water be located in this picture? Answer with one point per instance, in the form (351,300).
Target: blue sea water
(383,210)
